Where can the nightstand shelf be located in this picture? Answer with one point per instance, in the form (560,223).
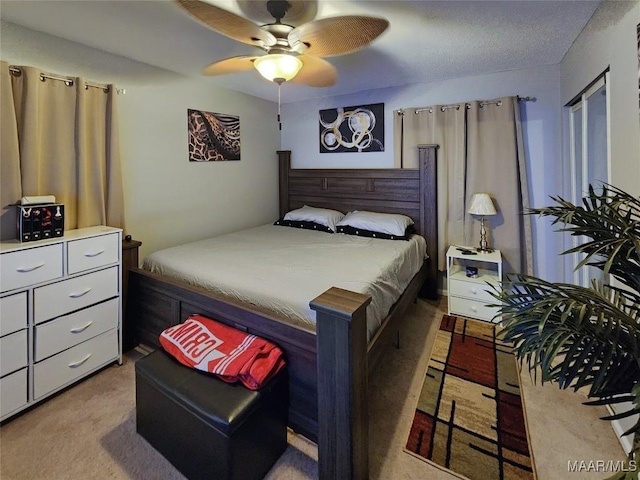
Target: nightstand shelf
(469,296)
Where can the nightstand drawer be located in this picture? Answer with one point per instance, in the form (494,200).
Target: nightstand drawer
(472,308)
(13,392)
(13,313)
(78,292)
(13,352)
(65,332)
(74,363)
(93,252)
(30,266)
(473,290)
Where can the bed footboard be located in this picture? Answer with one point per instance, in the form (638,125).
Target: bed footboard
(343,420)
(327,371)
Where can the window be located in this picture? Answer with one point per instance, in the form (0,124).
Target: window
(589,154)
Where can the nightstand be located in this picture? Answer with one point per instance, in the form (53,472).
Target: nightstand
(469,296)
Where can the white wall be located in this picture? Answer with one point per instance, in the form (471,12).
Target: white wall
(541,125)
(169,200)
(610,40)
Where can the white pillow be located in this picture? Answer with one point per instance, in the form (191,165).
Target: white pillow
(323,216)
(389,223)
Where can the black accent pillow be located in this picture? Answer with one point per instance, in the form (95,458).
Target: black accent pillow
(303,224)
(369,233)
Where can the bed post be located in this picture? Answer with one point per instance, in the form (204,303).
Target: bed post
(284,165)
(428,163)
(343,419)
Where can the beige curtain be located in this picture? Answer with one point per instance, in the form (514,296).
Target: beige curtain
(496,165)
(11,188)
(444,126)
(67,138)
(481,150)
(100,191)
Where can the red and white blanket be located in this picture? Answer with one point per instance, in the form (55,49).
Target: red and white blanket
(230,354)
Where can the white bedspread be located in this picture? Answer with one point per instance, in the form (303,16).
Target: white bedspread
(281,269)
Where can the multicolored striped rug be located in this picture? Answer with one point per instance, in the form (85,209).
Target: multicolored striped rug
(470,419)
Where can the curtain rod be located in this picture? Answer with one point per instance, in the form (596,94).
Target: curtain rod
(468,105)
(67,81)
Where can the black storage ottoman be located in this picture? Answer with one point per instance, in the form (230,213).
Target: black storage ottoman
(207,428)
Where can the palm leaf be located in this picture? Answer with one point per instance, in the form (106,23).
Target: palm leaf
(611,222)
(584,337)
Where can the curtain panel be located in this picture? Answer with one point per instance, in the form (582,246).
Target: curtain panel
(443,126)
(10,177)
(481,150)
(60,138)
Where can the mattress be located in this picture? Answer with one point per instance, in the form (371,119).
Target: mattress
(281,269)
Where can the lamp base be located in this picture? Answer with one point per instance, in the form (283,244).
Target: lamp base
(484,246)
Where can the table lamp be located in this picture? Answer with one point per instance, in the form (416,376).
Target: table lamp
(481,204)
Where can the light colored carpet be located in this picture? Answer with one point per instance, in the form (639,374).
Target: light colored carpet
(88,431)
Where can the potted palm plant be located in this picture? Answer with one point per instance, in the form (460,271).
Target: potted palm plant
(585,336)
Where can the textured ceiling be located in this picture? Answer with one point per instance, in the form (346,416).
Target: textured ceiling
(427,40)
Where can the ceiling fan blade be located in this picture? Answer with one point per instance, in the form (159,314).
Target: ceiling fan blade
(227,23)
(315,72)
(330,37)
(241,63)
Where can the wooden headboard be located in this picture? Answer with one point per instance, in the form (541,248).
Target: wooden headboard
(408,191)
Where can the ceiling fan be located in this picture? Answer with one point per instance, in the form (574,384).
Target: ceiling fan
(293,54)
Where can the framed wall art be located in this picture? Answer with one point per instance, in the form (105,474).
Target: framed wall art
(213,136)
(352,129)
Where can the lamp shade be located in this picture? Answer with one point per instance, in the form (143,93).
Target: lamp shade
(278,67)
(481,204)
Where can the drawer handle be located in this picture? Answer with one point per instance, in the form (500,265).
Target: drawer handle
(95,254)
(29,269)
(80,294)
(474,291)
(80,362)
(81,329)
(474,308)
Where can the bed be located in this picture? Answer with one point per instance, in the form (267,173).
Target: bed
(328,362)
(280,268)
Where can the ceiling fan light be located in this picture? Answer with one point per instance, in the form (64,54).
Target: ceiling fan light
(278,67)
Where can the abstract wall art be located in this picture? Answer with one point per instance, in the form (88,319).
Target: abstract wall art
(213,136)
(352,129)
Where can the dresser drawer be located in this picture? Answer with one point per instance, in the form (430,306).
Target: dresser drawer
(473,290)
(93,252)
(13,392)
(472,308)
(28,267)
(75,293)
(65,332)
(13,352)
(13,313)
(62,369)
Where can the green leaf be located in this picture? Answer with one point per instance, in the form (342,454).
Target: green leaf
(584,336)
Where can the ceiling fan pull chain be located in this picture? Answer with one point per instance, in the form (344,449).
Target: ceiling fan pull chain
(279,122)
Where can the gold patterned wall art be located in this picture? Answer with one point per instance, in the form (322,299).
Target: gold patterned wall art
(213,136)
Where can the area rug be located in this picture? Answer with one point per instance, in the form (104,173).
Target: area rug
(470,419)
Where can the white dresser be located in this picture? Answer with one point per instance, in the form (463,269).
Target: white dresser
(60,313)
(469,296)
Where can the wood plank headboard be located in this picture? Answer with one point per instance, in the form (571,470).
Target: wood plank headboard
(408,191)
